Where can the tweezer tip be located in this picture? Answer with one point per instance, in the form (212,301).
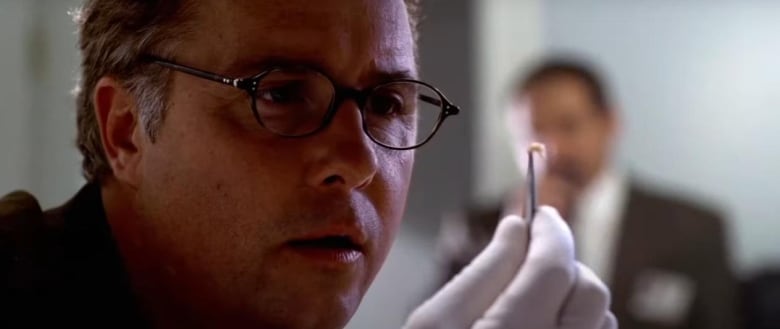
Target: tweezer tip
(537,148)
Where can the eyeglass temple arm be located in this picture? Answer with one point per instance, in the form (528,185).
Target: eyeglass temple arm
(449,108)
(199,73)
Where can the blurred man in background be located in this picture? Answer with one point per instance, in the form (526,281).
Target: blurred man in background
(664,258)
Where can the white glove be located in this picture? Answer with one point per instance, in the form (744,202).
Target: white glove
(514,284)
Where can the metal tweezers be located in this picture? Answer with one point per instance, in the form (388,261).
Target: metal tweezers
(532,202)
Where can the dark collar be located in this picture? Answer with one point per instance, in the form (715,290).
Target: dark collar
(92,272)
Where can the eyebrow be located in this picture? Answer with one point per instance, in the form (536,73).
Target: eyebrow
(396,75)
(250,68)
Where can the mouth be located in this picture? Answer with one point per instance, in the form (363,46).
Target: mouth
(331,250)
(335,242)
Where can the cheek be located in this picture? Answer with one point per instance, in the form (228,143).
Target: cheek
(593,140)
(389,192)
(207,186)
(223,160)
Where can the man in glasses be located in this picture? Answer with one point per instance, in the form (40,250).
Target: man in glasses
(248,164)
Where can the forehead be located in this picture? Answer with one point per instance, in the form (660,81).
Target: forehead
(560,93)
(348,39)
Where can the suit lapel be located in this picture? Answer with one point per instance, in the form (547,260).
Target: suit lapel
(631,249)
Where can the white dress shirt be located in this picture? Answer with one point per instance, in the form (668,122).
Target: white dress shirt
(598,216)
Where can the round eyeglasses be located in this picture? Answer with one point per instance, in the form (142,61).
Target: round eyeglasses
(298,101)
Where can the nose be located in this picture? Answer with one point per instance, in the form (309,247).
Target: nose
(343,158)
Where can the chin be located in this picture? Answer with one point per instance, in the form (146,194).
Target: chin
(296,317)
(295,306)
(333,313)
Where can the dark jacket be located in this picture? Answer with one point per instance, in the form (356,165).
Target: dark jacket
(61,268)
(662,242)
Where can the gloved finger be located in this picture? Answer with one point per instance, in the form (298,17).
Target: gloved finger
(469,294)
(610,322)
(535,296)
(587,303)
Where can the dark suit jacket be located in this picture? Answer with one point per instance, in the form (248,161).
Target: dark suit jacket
(61,268)
(658,236)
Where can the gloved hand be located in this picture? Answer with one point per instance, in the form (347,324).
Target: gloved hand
(517,283)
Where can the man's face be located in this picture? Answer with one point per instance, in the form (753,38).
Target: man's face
(560,112)
(253,227)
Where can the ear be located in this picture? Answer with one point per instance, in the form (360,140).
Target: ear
(120,129)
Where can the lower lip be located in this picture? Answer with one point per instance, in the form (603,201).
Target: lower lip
(328,256)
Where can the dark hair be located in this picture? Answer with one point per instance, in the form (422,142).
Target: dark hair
(557,67)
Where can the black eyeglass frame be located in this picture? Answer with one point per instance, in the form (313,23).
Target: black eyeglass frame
(250,84)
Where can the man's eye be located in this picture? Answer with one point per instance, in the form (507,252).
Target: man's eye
(387,105)
(287,93)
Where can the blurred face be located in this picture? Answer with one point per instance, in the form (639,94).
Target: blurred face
(248,227)
(560,112)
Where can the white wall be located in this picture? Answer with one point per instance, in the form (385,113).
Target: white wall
(55,162)
(508,33)
(699,82)
(37,125)
(699,87)
(14,96)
